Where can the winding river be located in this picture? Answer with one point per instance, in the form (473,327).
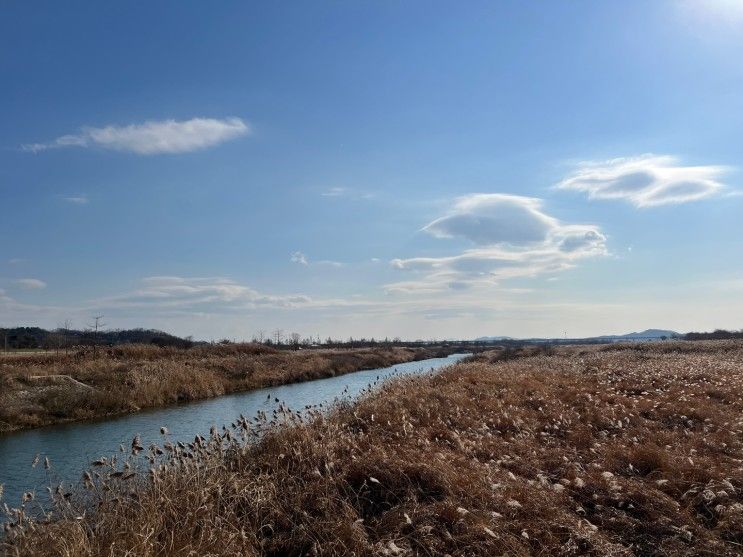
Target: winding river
(72,447)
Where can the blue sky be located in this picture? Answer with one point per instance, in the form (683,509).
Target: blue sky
(413,169)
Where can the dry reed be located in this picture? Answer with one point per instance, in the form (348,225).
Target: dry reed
(47,388)
(622,452)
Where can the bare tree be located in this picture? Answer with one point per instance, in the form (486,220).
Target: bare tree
(61,335)
(54,340)
(295,340)
(260,336)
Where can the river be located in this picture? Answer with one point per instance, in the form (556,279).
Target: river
(72,447)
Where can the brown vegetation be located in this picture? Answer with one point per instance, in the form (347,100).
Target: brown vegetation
(620,452)
(45,388)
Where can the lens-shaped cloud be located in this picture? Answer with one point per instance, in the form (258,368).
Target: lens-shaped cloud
(514,238)
(645,181)
(494,218)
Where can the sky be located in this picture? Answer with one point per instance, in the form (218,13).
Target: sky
(418,169)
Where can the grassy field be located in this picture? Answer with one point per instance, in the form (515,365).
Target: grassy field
(23,352)
(46,388)
(627,450)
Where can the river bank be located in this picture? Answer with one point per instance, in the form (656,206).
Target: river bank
(44,389)
(608,452)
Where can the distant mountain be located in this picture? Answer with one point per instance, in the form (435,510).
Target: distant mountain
(645,335)
(655,333)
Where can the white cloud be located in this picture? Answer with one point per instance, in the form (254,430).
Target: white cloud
(173,298)
(152,137)
(30,283)
(494,218)
(204,306)
(645,181)
(334,192)
(77,199)
(347,193)
(299,257)
(329,263)
(219,307)
(208,294)
(514,238)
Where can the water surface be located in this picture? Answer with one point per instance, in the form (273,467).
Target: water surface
(71,447)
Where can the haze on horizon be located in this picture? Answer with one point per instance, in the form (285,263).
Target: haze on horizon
(414,169)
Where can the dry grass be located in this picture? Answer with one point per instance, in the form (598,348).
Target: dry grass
(621,452)
(38,389)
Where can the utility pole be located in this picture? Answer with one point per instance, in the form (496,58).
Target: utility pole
(66,331)
(97,325)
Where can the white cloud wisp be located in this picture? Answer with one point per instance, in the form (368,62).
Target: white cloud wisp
(77,199)
(30,284)
(152,137)
(204,294)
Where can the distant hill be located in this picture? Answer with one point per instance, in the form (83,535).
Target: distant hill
(644,335)
(647,334)
(28,338)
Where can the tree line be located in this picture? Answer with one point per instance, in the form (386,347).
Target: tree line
(718,334)
(65,337)
(35,338)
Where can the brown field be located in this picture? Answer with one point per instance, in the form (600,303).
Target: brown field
(45,388)
(598,451)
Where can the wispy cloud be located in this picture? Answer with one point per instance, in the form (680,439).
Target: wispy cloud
(208,293)
(30,283)
(645,181)
(152,137)
(77,199)
(301,259)
(329,263)
(334,192)
(173,296)
(514,238)
(346,192)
